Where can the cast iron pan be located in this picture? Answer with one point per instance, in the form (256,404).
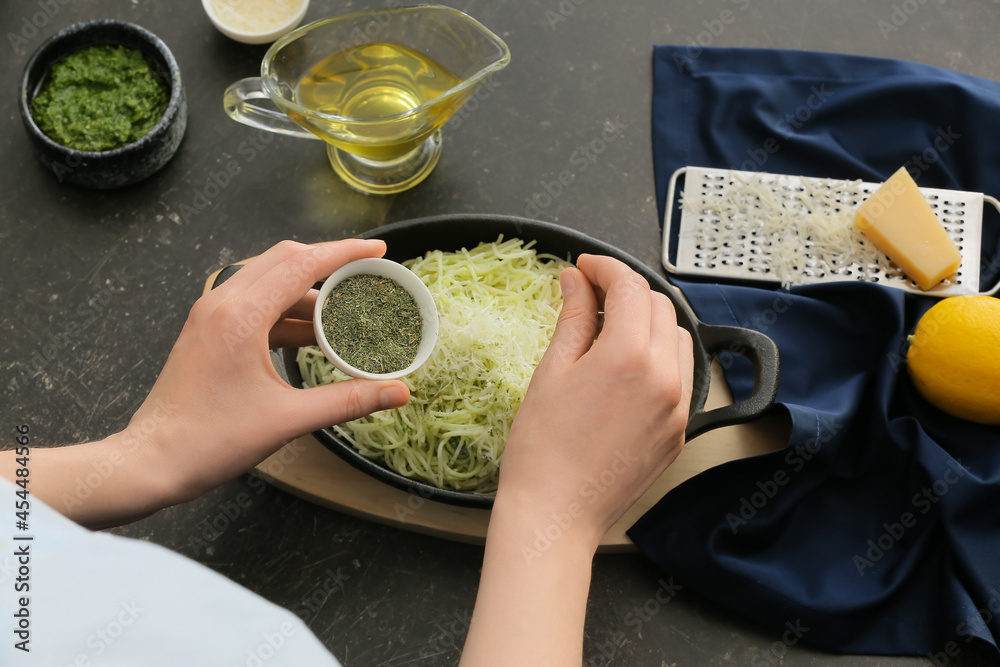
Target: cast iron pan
(406,240)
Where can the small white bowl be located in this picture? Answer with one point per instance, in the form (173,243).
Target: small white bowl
(273,31)
(408,281)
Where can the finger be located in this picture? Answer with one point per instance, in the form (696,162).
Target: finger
(320,407)
(256,267)
(291,333)
(284,284)
(304,308)
(685,361)
(295,328)
(673,345)
(281,288)
(627,302)
(663,325)
(577,323)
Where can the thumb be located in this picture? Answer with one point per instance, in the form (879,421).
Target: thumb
(320,407)
(577,324)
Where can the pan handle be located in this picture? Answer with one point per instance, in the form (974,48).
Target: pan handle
(225,274)
(760,350)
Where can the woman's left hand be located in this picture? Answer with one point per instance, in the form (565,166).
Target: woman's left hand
(219,407)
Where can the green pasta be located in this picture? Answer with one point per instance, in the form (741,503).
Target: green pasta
(497,304)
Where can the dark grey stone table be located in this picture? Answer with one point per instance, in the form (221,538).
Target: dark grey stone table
(96,285)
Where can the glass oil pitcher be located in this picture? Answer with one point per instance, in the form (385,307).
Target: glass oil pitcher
(376,86)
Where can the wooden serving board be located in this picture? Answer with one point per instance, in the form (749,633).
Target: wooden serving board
(307,469)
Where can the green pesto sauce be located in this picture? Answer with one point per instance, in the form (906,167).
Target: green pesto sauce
(100,98)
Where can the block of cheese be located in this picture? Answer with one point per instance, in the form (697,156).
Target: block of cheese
(900,222)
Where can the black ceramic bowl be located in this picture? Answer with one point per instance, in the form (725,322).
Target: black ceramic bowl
(406,240)
(121,166)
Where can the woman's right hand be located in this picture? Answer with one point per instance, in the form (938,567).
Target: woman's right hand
(607,407)
(604,415)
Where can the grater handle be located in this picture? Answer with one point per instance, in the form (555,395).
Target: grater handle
(995,289)
(760,350)
(668,214)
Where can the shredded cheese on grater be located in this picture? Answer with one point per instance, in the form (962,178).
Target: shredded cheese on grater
(798,228)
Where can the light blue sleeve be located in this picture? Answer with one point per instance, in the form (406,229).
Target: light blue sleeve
(96,599)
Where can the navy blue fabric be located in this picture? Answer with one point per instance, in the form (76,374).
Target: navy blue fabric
(877,528)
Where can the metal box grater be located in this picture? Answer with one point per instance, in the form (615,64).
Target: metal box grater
(746,252)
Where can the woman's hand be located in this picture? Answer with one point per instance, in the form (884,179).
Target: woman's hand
(230,408)
(218,407)
(607,407)
(603,417)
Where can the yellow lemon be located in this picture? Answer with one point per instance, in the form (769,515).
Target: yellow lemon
(954,357)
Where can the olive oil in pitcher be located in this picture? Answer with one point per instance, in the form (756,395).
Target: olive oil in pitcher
(375,82)
(380,107)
